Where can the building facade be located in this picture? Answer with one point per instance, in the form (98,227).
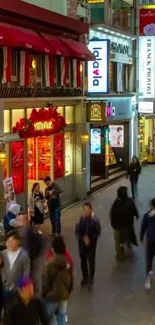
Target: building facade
(42,100)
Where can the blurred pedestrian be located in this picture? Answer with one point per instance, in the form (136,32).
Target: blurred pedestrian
(14,263)
(33,242)
(13,211)
(58,283)
(87,231)
(25,309)
(52,195)
(122,216)
(148,228)
(36,205)
(133,173)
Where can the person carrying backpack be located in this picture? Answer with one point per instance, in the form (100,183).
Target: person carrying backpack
(33,243)
(58,283)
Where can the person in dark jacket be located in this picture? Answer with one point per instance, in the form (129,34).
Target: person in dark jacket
(148,228)
(58,283)
(87,231)
(122,216)
(24,308)
(52,195)
(133,173)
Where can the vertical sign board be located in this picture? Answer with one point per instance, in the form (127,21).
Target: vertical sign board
(147,66)
(98,70)
(18,166)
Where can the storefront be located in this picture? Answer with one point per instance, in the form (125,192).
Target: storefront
(146,134)
(111,128)
(47,148)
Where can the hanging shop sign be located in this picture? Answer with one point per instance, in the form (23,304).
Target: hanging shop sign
(18,166)
(98,70)
(147,22)
(96,112)
(146,107)
(42,122)
(147,67)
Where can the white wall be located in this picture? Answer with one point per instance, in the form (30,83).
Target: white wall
(59,6)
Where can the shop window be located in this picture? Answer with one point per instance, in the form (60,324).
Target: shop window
(122,14)
(71,73)
(126,77)
(39,67)
(31,148)
(14,65)
(58,155)
(44,156)
(6,121)
(17,114)
(69,114)
(61,110)
(68,153)
(29,110)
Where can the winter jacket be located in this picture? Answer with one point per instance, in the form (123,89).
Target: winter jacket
(50,255)
(32,314)
(122,214)
(89,226)
(134,170)
(32,242)
(148,226)
(58,280)
(52,195)
(13,211)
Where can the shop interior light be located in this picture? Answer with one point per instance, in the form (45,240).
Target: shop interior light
(33,64)
(85,137)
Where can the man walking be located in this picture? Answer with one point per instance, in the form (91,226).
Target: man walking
(87,231)
(52,195)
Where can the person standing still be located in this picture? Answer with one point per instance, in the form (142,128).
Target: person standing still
(133,173)
(36,205)
(148,228)
(87,231)
(52,195)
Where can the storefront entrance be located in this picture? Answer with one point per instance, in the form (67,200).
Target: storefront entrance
(147,140)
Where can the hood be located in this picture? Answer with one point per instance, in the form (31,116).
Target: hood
(14,208)
(61,261)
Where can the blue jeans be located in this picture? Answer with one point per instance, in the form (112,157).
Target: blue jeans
(134,183)
(57,312)
(55,218)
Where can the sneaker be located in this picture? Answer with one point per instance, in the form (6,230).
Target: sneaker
(84,282)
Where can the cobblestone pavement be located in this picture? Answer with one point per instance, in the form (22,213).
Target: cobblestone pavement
(118,296)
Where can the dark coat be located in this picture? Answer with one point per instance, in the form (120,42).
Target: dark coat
(58,280)
(89,226)
(148,226)
(122,217)
(134,170)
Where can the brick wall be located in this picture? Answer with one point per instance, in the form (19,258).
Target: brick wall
(72,8)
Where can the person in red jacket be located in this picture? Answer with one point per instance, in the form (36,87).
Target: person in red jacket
(49,255)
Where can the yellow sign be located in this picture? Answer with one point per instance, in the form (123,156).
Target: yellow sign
(41,126)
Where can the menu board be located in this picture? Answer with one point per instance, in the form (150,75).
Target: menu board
(58,155)
(44,156)
(18,166)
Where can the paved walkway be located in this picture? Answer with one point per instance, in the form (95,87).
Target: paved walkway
(118,296)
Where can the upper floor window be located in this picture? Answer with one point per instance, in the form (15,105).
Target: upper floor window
(38,68)
(14,65)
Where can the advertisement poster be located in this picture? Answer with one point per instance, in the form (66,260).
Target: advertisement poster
(18,166)
(58,155)
(95,141)
(107,147)
(9,192)
(147,22)
(116,136)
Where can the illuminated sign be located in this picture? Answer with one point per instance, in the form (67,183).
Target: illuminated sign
(98,70)
(146,67)
(110,110)
(40,126)
(145,107)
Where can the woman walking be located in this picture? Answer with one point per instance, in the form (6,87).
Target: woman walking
(134,172)
(122,216)
(36,204)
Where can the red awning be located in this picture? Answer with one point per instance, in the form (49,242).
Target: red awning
(23,38)
(56,46)
(78,50)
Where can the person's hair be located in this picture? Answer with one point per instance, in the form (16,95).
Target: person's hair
(47,179)
(95,130)
(136,158)
(119,129)
(58,245)
(153,203)
(122,192)
(13,234)
(34,186)
(88,204)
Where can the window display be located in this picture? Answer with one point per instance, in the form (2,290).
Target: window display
(68,153)
(31,148)
(58,155)
(43,157)
(6,121)
(95,141)
(116,136)
(69,114)
(17,114)
(18,166)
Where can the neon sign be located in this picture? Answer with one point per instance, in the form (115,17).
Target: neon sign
(41,126)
